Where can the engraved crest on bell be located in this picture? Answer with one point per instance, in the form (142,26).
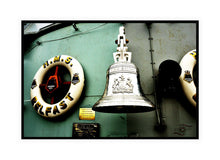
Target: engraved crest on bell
(122,85)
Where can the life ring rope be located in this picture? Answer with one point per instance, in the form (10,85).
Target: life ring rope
(76,86)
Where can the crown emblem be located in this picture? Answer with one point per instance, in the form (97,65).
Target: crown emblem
(187,76)
(75,79)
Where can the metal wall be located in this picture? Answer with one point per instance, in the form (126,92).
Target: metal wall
(93,48)
(170,41)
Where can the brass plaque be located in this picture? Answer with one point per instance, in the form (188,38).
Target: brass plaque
(86,114)
(85,130)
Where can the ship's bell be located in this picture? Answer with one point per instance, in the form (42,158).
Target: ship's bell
(122,91)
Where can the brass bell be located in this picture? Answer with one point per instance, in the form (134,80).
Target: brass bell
(122,91)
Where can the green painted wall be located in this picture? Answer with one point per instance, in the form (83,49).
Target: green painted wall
(93,50)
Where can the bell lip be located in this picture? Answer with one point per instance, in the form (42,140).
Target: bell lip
(139,104)
(123,109)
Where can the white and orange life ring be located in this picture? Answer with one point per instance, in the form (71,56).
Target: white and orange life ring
(76,86)
(187,64)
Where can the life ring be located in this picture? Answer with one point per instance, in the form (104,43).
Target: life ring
(187,64)
(72,96)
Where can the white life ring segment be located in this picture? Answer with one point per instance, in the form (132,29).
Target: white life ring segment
(186,78)
(77,83)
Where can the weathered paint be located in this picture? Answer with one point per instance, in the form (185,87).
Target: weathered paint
(170,41)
